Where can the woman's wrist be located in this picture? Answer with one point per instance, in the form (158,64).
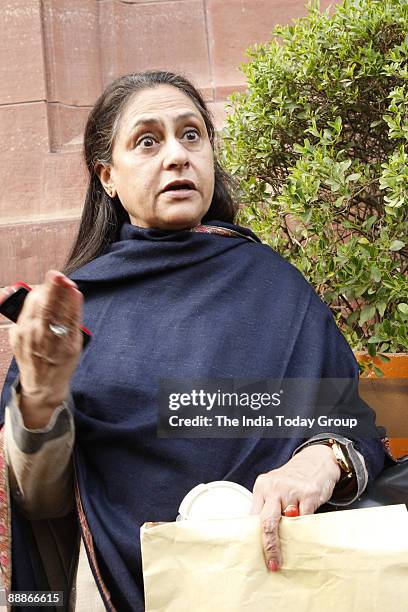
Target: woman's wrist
(354,476)
(320,453)
(37,409)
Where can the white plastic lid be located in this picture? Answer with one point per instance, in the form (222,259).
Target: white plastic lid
(216,500)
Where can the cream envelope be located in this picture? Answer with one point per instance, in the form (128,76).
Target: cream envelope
(353,560)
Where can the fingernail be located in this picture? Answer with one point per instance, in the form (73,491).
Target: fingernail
(55,276)
(70,283)
(291,511)
(273,566)
(65,281)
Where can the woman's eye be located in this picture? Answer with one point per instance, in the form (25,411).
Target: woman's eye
(146,142)
(191,135)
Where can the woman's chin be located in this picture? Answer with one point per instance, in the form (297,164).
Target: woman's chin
(177,216)
(181,218)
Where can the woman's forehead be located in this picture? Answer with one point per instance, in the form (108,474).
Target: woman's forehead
(162,101)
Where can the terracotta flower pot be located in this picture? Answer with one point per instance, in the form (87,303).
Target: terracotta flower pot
(388,396)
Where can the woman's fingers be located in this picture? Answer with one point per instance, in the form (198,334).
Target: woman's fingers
(291,510)
(54,305)
(57,300)
(61,301)
(270,495)
(270,517)
(271,508)
(297,488)
(47,340)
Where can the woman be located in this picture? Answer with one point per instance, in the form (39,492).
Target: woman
(172,288)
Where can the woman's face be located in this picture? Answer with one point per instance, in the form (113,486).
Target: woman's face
(162,163)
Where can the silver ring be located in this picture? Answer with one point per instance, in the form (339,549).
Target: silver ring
(58,330)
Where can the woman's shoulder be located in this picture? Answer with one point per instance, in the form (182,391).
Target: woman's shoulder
(263,255)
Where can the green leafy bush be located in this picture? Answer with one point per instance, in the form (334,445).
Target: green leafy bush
(319,143)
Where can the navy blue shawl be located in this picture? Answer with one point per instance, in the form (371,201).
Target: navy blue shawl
(179,304)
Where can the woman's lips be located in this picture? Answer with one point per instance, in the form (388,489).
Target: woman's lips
(179,194)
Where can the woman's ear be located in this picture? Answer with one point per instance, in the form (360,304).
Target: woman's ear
(104,173)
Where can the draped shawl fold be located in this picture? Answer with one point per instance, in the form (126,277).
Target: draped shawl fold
(183,304)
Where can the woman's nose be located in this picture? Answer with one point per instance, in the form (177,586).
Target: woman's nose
(175,154)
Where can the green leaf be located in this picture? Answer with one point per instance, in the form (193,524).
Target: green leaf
(353,317)
(381,306)
(360,290)
(306,216)
(372,350)
(403,308)
(367,313)
(387,327)
(370,222)
(396,245)
(375,274)
(334,185)
(353,177)
(378,372)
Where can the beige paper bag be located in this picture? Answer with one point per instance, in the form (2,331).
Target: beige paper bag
(348,561)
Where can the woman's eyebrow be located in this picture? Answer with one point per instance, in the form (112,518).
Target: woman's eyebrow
(156,121)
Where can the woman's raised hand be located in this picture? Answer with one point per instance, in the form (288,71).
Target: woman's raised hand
(47,359)
(306,481)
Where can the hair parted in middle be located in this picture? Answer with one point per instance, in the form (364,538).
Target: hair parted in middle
(103,216)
